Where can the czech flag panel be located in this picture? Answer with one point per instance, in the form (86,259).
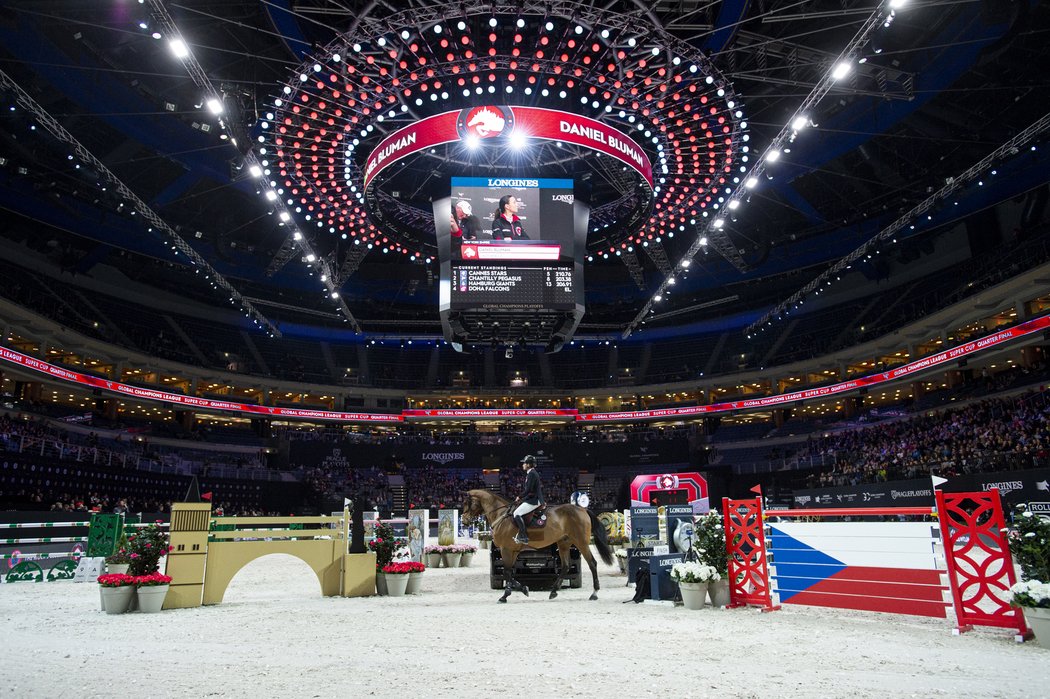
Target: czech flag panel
(871,566)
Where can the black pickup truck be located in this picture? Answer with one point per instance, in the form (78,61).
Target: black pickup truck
(536,568)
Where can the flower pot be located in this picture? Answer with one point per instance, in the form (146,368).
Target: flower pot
(415,580)
(102,598)
(622,562)
(118,599)
(465,559)
(484,543)
(113,568)
(719,592)
(451,560)
(694,595)
(381,583)
(1039,619)
(433,560)
(151,598)
(396,584)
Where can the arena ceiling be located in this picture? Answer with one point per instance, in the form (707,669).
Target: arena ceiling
(704,87)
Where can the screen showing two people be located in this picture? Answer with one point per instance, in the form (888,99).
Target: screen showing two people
(510,218)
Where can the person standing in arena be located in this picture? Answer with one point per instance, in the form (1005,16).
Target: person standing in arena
(505,224)
(529,500)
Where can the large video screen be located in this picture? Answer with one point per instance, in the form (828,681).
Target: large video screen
(511,218)
(510,244)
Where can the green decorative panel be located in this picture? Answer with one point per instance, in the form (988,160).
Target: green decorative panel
(104,535)
(62,571)
(26,571)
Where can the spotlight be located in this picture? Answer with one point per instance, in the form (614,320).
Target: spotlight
(255,171)
(774,155)
(518,140)
(841,70)
(800,122)
(471,141)
(178,48)
(214,105)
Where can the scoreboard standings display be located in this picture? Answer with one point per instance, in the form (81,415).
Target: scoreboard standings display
(512,287)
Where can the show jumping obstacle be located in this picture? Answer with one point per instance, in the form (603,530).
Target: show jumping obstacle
(962,564)
(207,552)
(103,534)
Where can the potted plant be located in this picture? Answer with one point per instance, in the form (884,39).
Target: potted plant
(116,590)
(415,577)
(397,577)
(121,558)
(384,545)
(467,554)
(710,545)
(433,554)
(692,579)
(151,591)
(450,556)
(146,547)
(485,539)
(1030,545)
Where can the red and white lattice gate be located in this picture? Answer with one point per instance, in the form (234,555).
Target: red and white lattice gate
(746,546)
(980,568)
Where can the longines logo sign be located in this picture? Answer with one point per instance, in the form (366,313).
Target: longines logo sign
(444,457)
(1003,486)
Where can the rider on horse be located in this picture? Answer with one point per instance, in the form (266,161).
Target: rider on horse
(529,500)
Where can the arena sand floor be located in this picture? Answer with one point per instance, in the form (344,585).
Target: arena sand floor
(275,636)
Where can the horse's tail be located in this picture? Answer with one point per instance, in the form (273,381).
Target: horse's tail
(601,539)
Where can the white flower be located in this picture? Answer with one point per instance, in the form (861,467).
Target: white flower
(691,572)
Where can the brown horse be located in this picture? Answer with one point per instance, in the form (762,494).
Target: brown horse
(567,526)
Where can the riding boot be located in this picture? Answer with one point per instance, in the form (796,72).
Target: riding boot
(523,533)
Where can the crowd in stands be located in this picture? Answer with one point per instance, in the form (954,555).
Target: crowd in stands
(429,487)
(558,483)
(992,434)
(362,484)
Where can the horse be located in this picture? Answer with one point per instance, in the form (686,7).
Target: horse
(567,526)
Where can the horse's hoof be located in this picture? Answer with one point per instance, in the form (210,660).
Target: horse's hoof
(502,600)
(525,590)
(593,597)
(554,594)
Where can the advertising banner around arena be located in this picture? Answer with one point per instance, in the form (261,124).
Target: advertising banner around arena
(1031,487)
(499,122)
(669,454)
(195,402)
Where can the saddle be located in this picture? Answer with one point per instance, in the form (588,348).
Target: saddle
(537,518)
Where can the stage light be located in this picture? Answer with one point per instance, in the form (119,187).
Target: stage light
(734,205)
(718,222)
(800,122)
(214,105)
(774,155)
(405,34)
(156,35)
(335,294)
(493,22)
(311,257)
(658,298)
(841,70)
(520,23)
(471,141)
(271,195)
(178,48)
(255,171)
(685,263)
(897,4)
(297,236)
